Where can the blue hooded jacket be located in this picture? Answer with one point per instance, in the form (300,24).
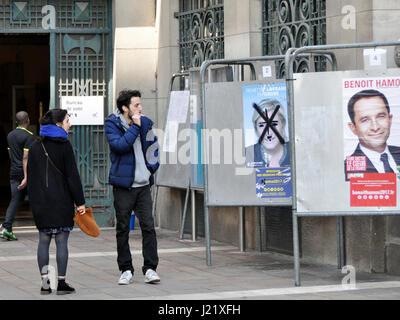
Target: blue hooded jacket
(122,171)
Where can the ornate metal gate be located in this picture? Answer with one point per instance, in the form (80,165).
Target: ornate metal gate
(293,23)
(80,65)
(201,31)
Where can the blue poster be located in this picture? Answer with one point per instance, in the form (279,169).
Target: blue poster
(266,135)
(273,183)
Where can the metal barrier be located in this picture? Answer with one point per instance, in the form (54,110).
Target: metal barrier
(289,60)
(188,187)
(156,184)
(206,64)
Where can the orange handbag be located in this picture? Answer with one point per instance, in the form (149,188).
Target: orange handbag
(87,223)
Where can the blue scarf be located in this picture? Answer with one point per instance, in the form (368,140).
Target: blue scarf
(53,131)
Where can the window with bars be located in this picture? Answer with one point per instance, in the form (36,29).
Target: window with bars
(294,23)
(201,31)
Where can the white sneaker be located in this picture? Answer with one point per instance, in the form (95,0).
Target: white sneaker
(151,276)
(126,278)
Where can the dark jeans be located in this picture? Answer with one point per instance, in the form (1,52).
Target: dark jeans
(16,197)
(139,201)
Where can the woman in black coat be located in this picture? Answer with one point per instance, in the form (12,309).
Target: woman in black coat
(54,187)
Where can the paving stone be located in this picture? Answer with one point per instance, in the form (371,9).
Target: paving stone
(93,271)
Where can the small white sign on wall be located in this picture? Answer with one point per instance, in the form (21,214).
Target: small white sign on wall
(375,58)
(267,71)
(84,110)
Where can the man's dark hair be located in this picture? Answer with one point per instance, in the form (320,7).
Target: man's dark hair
(21,118)
(124,98)
(365,94)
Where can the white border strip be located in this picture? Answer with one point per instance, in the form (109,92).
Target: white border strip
(274,292)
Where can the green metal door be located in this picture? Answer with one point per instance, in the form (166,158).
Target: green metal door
(80,65)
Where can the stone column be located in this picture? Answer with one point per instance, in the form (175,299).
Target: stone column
(169,200)
(242,25)
(135,49)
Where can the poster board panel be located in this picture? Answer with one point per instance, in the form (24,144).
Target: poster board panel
(331,175)
(230,181)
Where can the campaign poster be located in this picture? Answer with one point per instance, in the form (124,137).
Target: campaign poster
(373,190)
(371,111)
(266,134)
(273,183)
(266,138)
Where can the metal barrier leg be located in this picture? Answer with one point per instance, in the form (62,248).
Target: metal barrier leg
(184,215)
(207,233)
(296,251)
(259,240)
(340,242)
(242,229)
(193,201)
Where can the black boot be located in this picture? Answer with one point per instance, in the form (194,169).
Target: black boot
(64,288)
(45,289)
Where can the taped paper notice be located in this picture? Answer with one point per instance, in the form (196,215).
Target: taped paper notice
(178,106)
(375,56)
(177,113)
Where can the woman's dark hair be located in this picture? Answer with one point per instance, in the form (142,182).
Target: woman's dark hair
(124,98)
(53,116)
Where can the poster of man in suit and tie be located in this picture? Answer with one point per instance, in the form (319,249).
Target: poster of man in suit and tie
(372,139)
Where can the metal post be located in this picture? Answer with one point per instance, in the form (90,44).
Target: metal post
(207,232)
(259,238)
(242,223)
(205,161)
(236,72)
(340,242)
(184,214)
(296,249)
(193,207)
(290,106)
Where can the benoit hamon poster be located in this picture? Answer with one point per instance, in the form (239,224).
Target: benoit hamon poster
(371,109)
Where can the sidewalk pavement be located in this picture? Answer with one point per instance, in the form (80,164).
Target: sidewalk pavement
(233,275)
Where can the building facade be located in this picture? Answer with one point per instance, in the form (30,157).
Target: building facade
(99,47)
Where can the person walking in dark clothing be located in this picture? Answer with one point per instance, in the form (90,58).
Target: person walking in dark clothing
(134,157)
(19,142)
(54,187)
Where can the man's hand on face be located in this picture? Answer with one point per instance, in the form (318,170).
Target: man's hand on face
(135,110)
(136,118)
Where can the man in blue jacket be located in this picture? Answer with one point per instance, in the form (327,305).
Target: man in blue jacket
(134,160)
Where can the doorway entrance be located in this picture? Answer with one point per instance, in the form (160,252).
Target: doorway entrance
(24,86)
